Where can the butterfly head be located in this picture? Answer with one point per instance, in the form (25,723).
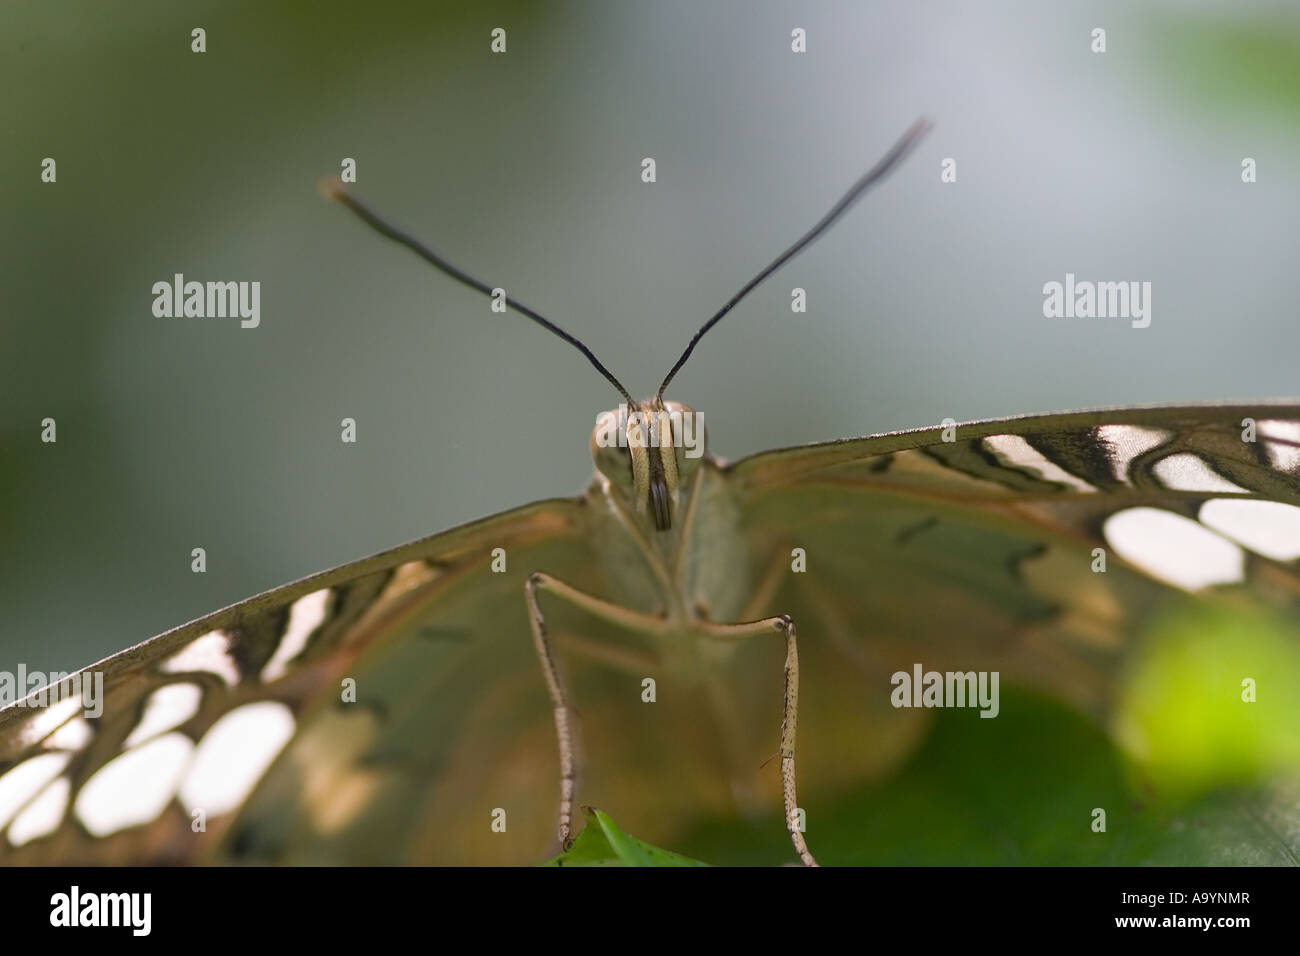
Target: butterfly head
(647,453)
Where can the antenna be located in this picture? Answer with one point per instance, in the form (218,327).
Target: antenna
(333,188)
(869,179)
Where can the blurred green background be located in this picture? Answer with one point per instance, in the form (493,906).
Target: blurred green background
(925,303)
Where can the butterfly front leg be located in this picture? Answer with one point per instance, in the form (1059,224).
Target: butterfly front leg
(789,713)
(560,701)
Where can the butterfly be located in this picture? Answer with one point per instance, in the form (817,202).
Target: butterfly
(687,638)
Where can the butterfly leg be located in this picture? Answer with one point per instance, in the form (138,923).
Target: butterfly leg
(554,683)
(789,715)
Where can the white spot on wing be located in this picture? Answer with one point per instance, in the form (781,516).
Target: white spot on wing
(135,786)
(24,781)
(166,708)
(1126,442)
(306,614)
(73,735)
(1187,472)
(1270,528)
(1015,451)
(43,815)
(233,755)
(1283,443)
(1173,548)
(210,653)
(43,722)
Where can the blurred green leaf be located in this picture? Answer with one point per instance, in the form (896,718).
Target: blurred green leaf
(1231,61)
(1020,790)
(1183,715)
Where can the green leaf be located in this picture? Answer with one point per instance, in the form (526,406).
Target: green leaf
(1021,790)
(1186,715)
(1221,66)
(602,843)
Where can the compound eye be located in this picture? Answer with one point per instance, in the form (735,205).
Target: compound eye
(613,459)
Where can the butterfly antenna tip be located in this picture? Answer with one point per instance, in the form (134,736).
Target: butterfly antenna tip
(331,187)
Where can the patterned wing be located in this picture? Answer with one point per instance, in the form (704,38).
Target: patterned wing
(978,547)
(973,547)
(329,720)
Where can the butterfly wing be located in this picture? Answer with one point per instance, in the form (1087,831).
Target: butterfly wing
(392,710)
(977,547)
(376,713)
